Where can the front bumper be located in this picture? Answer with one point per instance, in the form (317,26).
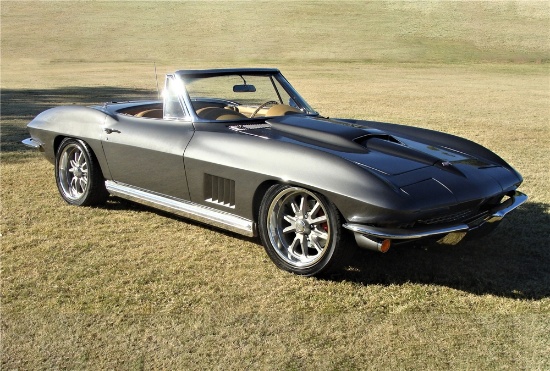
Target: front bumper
(364,234)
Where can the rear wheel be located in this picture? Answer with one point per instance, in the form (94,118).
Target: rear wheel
(78,176)
(300,230)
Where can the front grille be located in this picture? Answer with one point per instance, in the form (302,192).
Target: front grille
(449,218)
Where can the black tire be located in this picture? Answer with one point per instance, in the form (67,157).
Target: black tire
(301,230)
(78,175)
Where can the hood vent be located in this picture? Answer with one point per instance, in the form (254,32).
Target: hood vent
(249,129)
(246,127)
(380,136)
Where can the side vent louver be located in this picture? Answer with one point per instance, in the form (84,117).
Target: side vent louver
(219,190)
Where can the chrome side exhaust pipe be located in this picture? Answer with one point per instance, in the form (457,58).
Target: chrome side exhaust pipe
(370,244)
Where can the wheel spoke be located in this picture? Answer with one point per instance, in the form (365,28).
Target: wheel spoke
(83,184)
(73,185)
(289,229)
(315,209)
(78,157)
(303,205)
(318,220)
(295,208)
(292,246)
(290,219)
(320,234)
(315,244)
(305,246)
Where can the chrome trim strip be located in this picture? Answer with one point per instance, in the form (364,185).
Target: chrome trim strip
(494,215)
(33,143)
(187,209)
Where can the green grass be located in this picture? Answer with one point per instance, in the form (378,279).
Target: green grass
(127,287)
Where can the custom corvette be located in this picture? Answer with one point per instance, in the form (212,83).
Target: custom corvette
(240,149)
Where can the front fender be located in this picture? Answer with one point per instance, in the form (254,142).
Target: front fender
(251,161)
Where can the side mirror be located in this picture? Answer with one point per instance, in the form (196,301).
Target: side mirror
(245,88)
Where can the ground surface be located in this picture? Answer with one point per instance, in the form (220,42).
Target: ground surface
(126,287)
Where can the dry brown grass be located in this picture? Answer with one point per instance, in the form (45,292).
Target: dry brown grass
(126,287)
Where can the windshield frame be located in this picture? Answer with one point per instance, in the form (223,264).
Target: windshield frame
(187,76)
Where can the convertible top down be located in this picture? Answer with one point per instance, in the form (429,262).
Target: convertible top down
(240,149)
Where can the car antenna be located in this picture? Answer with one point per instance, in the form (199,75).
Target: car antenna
(157,80)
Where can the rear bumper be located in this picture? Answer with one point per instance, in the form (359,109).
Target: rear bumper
(33,143)
(493,216)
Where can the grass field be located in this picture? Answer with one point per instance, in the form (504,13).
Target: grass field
(127,287)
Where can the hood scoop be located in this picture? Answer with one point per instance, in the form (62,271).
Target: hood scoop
(387,144)
(318,132)
(376,134)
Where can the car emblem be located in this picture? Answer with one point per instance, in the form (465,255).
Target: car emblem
(446,163)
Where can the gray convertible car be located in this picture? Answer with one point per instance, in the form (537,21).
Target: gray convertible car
(241,150)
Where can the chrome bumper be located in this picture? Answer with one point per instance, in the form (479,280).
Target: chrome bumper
(33,143)
(494,215)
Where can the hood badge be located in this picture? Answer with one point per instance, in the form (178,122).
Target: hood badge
(446,163)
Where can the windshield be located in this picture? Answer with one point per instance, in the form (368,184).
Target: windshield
(243,96)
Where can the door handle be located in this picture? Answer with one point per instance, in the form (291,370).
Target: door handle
(109,130)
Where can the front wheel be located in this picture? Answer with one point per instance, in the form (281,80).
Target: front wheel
(78,176)
(300,230)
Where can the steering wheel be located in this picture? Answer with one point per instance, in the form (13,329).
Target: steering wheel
(262,106)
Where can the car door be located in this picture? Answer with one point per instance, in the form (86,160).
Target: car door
(148,153)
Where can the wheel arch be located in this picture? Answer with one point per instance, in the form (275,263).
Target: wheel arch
(94,148)
(57,142)
(262,189)
(79,179)
(259,194)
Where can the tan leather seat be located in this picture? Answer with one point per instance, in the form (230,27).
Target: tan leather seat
(214,113)
(197,105)
(151,113)
(281,110)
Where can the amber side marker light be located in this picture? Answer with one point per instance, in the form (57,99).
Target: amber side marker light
(385,246)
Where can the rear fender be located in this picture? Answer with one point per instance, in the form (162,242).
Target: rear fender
(51,126)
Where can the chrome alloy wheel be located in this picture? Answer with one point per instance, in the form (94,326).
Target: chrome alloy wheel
(298,227)
(73,172)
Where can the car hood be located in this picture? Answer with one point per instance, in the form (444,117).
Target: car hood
(410,158)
